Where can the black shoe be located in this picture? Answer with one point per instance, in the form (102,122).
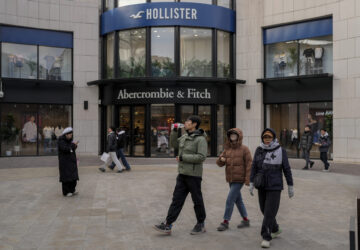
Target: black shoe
(305,168)
(128,169)
(199,228)
(119,171)
(102,169)
(312,164)
(163,228)
(111,167)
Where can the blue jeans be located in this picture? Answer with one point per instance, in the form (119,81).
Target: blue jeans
(234,196)
(120,154)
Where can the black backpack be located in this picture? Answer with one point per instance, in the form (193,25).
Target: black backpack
(120,140)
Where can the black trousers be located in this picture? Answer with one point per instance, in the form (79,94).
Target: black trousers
(184,185)
(68,187)
(324,159)
(269,204)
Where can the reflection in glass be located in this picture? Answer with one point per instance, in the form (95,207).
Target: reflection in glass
(109,4)
(223,125)
(157,1)
(139,130)
(132,52)
(110,56)
(129,2)
(195,52)
(281,59)
(55,63)
(198,1)
(225,3)
(162,52)
(223,46)
(162,116)
(205,113)
(124,116)
(316,55)
(19,61)
(186,111)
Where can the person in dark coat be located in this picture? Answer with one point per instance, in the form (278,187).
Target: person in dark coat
(270,162)
(306,145)
(324,145)
(67,162)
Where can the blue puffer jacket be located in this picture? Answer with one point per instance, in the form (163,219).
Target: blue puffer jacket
(272,173)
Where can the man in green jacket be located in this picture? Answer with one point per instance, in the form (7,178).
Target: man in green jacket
(192,153)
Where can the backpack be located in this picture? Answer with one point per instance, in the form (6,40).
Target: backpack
(120,140)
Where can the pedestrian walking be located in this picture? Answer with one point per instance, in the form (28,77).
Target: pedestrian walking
(306,145)
(324,145)
(192,154)
(111,149)
(68,169)
(237,159)
(270,161)
(120,144)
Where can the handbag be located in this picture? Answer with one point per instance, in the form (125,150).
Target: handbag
(259,180)
(104,157)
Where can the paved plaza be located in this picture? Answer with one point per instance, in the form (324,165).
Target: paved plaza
(117,211)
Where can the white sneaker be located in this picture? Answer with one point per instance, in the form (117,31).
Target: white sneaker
(69,195)
(265,244)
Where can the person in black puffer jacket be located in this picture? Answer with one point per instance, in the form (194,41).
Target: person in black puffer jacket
(306,145)
(324,145)
(270,161)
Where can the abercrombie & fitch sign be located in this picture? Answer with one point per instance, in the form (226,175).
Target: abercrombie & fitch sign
(166,95)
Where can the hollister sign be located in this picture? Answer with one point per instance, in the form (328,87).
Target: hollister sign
(166,95)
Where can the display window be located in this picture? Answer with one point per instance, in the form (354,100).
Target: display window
(162,52)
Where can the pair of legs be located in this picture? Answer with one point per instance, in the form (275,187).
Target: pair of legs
(306,156)
(120,155)
(115,159)
(324,159)
(269,205)
(186,184)
(68,187)
(234,197)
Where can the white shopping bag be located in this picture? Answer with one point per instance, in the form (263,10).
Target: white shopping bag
(104,157)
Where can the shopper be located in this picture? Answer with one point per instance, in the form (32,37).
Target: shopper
(192,154)
(270,161)
(237,158)
(120,144)
(67,162)
(306,145)
(111,149)
(324,145)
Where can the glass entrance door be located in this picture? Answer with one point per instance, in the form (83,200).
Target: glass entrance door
(162,116)
(139,130)
(205,114)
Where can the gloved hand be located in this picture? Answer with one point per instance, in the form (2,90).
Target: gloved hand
(251,189)
(291,191)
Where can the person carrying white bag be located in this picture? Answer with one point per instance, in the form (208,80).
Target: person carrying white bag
(111,149)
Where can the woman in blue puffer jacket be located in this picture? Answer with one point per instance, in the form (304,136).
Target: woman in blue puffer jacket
(269,163)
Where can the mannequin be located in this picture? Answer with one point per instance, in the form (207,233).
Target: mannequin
(319,53)
(309,54)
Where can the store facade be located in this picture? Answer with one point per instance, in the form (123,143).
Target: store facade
(163,62)
(36,89)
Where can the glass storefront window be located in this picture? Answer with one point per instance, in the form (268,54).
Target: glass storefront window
(195,52)
(109,4)
(205,113)
(162,116)
(223,47)
(281,59)
(124,121)
(132,50)
(186,111)
(198,1)
(129,2)
(139,131)
(29,129)
(55,63)
(225,3)
(223,125)
(162,52)
(19,61)
(110,56)
(318,116)
(316,55)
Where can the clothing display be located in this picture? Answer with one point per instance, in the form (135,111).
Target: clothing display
(30,131)
(58,131)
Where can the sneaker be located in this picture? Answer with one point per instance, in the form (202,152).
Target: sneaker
(276,234)
(69,195)
(119,171)
(223,226)
(265,244)
(305,168)
(244,223)
(199,228)
(128,169)
(75,193)
(163,228)
(312,164)
(102,169)
(111,167)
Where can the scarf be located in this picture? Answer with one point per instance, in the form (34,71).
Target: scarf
(273,154)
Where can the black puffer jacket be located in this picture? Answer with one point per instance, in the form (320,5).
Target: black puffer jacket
(306,141)
(111,142)
(325,142)
(67,160)
(273,175)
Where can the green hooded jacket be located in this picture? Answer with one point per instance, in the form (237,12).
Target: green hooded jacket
(192,153)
